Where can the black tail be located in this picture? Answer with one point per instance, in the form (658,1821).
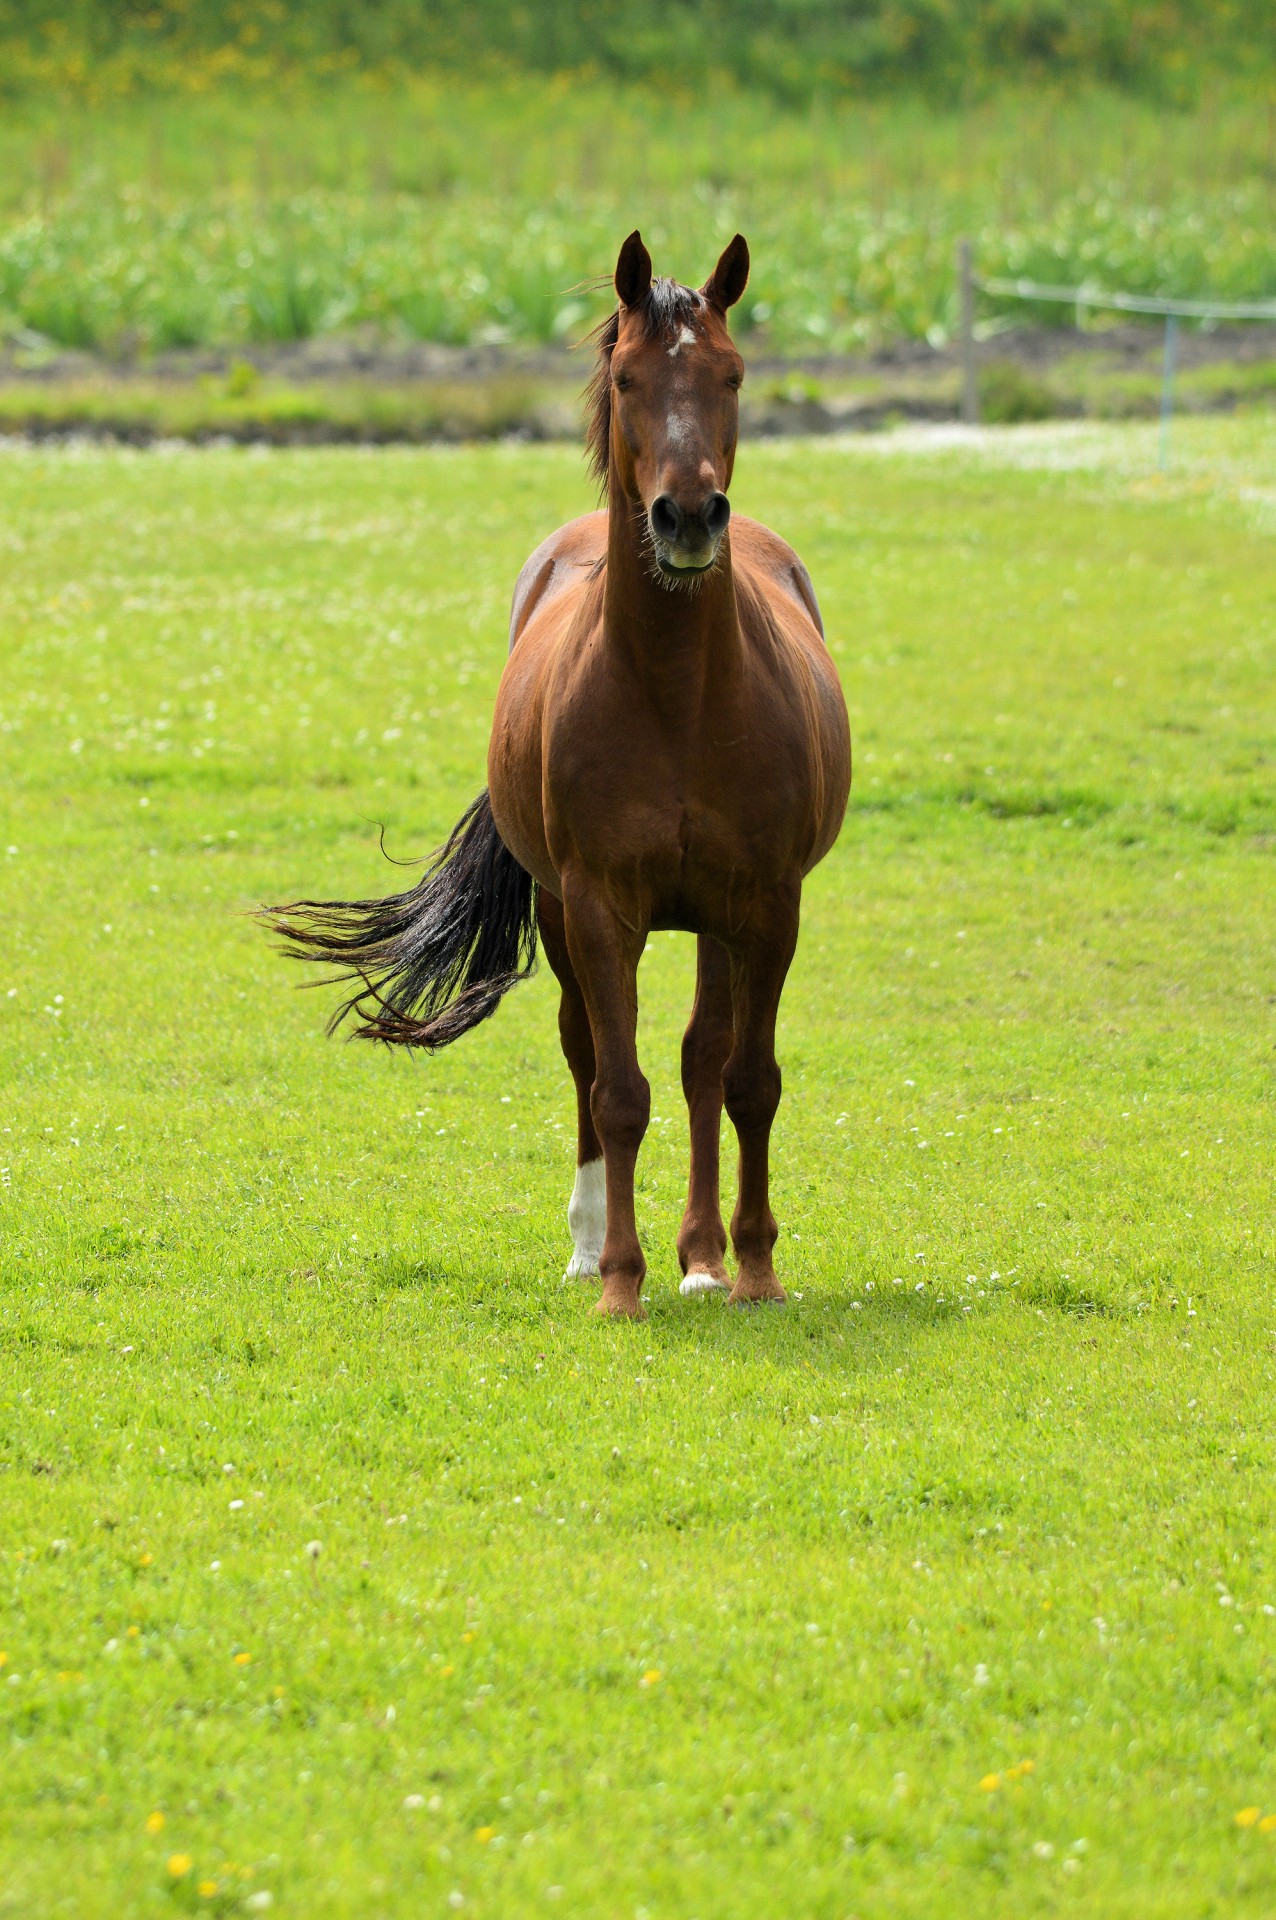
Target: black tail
(435,961)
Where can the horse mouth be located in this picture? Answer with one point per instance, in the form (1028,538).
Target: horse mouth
(686,570)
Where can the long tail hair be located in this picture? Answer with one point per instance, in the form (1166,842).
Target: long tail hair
(432,962)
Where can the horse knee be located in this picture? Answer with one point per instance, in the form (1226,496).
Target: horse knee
(621,1110)
(751,1090)
(704,1049)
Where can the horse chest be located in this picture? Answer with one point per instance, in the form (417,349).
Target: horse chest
(692,801)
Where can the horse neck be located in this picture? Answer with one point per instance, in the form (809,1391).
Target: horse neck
(668,633)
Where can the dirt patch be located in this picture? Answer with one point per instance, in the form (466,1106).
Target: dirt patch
(368,356)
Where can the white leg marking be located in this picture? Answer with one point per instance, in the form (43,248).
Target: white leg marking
(587,1218)
(695,1286)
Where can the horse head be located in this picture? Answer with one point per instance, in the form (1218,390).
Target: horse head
(667,398)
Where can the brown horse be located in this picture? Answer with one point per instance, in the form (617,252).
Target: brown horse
(670,749)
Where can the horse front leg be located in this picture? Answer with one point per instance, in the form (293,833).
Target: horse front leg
(751,1086)
(587,1208)
(702,1238)
(605,949)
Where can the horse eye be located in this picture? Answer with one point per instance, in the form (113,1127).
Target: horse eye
(622,381)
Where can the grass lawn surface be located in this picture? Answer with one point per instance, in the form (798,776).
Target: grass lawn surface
(348,1565)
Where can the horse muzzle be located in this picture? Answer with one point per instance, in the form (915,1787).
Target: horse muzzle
(687,543)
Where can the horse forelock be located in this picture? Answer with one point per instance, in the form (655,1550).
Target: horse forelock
(668,308)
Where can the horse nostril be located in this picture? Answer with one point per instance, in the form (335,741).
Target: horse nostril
(666,517)
(715,513)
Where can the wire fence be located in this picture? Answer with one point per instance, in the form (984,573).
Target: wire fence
(1094,300)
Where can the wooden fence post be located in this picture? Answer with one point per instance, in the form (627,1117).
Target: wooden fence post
(1167,389)
(966,295)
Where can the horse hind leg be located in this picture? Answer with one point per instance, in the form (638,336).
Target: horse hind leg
(751,1085)
(587,1208)
(702,1238)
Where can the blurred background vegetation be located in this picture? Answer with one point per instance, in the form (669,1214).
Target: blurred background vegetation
(180,175)
(794,49)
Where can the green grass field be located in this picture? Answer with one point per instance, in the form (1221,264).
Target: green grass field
(352,1567)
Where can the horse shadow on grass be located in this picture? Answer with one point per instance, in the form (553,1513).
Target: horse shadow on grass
(818,1331)
(510,1272)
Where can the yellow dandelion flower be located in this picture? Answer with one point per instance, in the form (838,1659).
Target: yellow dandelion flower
(131,1633)
(467,1637)
(4,1659)
(279,1693)
(1268,1823)
(651,1678)
(484,1834)
(179,1865)
(208,1888)
(146,1560)
(990,1782)
(1248,1816)
(445,1671)
(155,1822)
(242,1659)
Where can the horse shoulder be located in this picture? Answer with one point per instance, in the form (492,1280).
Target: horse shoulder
(568,556)
(765,553)
(778,610)
(554,600)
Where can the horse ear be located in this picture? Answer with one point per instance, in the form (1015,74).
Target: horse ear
(633,272)
(730,277)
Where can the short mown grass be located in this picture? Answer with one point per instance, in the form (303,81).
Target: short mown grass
(348,1565)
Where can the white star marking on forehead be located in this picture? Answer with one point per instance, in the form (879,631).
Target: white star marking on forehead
(686,338)
(679,428)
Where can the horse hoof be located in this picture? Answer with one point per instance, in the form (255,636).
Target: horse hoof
(582,1266)
(772,1296)
(620,1308)
(698,1286)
